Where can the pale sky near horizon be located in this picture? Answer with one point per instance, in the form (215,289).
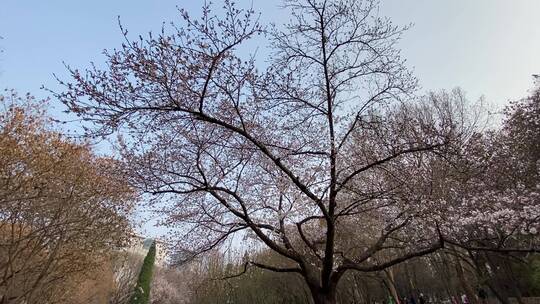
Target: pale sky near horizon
(487,47)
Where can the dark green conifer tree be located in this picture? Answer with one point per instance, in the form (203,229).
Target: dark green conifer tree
(142,289)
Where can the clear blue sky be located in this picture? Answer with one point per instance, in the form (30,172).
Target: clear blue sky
(488,47)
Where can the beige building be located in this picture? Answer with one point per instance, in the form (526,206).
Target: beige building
(140,245)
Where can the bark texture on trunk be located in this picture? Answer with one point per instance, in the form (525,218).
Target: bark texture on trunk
(323,297)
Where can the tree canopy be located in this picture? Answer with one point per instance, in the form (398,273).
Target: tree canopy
(331,138)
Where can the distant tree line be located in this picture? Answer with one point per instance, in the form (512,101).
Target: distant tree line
(444,276)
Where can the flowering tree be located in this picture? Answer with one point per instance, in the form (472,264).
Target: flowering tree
(488,196)
(169,286)
(494,184)
(326,141)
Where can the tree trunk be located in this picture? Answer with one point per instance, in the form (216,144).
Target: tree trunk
(469,291)
(323,297)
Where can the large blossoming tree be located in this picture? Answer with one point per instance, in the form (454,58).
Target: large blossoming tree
(495,185)
(321,140)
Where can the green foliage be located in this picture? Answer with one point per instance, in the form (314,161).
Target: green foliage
(142,289)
